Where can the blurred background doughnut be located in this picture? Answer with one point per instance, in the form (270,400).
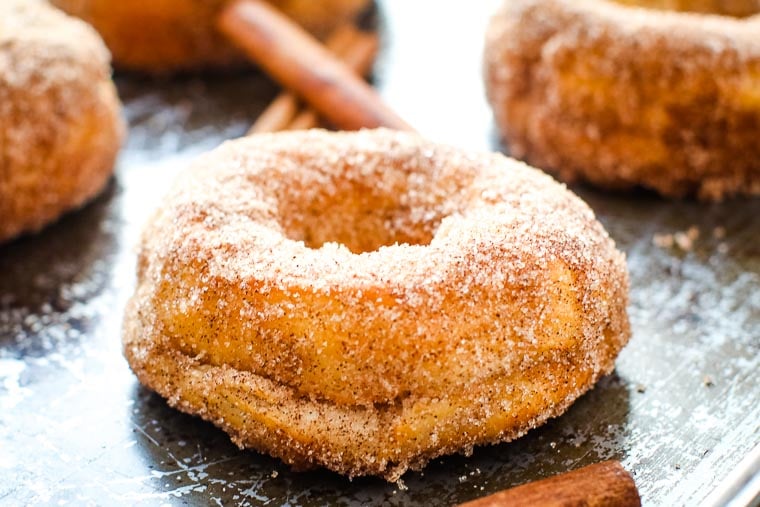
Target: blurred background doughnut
(626,95)
(164,36)
(60,128)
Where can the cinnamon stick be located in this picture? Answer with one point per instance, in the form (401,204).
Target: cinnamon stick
(285,107)
(300,63)
(278,115)
(605,484)
(306,119)
(359,56)
(355,47)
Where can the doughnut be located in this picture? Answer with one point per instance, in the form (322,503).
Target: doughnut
(367,301)
(629,94)
(165,36)
(60,125)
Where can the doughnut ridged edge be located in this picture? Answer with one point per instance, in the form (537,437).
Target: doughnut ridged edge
(506,302)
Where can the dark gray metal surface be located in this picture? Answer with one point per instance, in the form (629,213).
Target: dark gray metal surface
(681,410)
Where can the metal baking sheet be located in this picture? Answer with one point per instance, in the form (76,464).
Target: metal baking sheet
(681,410)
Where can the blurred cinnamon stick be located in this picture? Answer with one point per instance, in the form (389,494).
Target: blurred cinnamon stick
(285,107)
(306,119)
(355,47)
(605,484)
(300,63)
(278,115)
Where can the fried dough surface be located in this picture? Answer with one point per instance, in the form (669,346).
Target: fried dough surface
(623,96)
(369,301)
(164,36)
(737,8)
(60,128)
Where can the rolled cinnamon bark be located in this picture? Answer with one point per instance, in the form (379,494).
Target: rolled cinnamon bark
(300,63)
(306,119)
(285,107)
(355,47)
(605,484)
(278,115)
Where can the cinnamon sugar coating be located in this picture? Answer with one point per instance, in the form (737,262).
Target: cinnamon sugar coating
(736,8)
(369,301)
(623,96)
(163,36)
(60,128)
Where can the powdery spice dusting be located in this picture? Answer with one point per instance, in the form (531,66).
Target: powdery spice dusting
(368,301)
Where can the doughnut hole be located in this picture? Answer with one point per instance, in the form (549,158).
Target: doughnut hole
(383,206)
(735,8)
(359,216)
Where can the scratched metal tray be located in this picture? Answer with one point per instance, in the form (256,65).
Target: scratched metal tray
(681,410)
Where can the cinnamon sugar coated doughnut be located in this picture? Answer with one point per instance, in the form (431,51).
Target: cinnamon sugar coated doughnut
(60,128)
(625,94)
(162,36)
(369,301)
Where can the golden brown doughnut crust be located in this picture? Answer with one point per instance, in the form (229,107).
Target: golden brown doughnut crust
(736,8)
(162,36)
(623,96)
(369,301)
(60,128)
